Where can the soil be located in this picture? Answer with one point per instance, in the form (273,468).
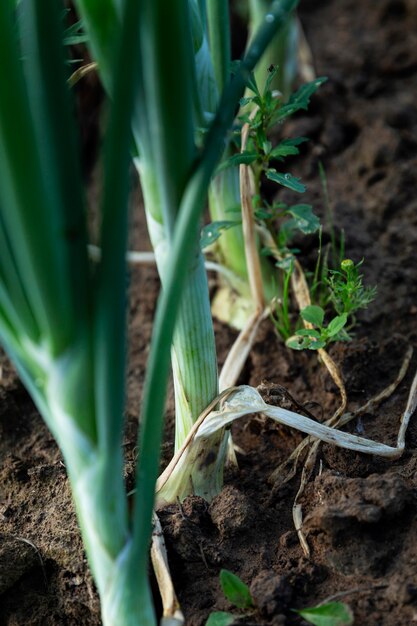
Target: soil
(360,513)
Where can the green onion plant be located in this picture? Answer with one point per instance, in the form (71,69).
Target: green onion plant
(61,323)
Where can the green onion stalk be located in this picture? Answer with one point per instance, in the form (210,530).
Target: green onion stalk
(281,52)
(62,322)
(224,193)
(166,158)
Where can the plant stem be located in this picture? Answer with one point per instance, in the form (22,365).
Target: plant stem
(224,204)
(193,354)
(219,39)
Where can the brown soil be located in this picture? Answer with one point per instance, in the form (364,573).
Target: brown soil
(360,512)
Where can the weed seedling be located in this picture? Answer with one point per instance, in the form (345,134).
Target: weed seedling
(329,614)
(237,592)
(347,292)
(319,335)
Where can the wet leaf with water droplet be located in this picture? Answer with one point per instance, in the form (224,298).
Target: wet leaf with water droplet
(287,180)
(211,232)
(304,218)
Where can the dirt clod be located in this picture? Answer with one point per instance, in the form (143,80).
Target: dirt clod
(271,593)
(231,511)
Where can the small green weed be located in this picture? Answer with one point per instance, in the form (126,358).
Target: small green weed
(347,295)
(237,592)
(319,336)
(329,614)
(347,292)
(336,286)
(267,110)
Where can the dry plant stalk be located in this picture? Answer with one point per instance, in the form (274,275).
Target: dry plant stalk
(244,400)
(248,225)
(241,348)
(172,614)
(311,458)
(81,72)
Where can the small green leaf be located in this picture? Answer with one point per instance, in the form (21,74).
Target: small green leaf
(285,264)
(304,218)
(211,232)
(244,101)
(308,332)
(237,159)
(235,590)
(220,618)
(267,147)
(261,214)
(297,343)
(313,314)
(287,147)
(331,614)
(298,100)
(316,344)
(286,180)
(280,151)
(336,325)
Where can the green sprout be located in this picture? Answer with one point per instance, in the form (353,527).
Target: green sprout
(320,335)
(347,291)
(328,614)
(347,294)
(238,594)
(280,309)
(235,590)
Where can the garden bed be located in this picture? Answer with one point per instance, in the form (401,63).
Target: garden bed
(360,512)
